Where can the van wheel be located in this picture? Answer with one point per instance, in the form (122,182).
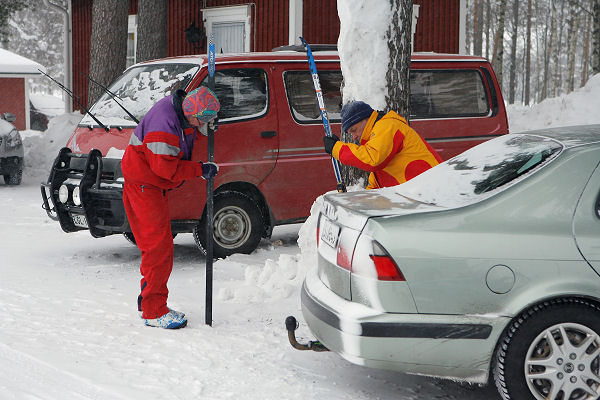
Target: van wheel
(237,225)
(131,239)
(14,179)
(551,352)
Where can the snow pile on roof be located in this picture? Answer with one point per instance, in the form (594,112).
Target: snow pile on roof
(49,105)
(579,107)
(11,63)
(41,148)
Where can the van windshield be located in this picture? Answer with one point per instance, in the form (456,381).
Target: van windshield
(138,89)
(481,171)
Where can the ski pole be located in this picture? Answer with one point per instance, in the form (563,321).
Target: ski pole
(209,195)
(341,187)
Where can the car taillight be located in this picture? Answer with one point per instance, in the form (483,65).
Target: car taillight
(318,225)
(372,260)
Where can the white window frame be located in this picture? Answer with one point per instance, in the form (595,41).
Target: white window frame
(214,15)
(132,28)
(415,17)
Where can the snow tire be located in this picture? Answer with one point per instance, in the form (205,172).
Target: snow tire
(14,179)
(238,225)
(525,335)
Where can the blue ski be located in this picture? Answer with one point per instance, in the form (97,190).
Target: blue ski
(341,188)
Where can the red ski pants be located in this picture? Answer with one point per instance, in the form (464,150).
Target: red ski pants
(147,209)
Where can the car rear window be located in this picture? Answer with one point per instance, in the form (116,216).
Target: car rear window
(302,100)
(482,171)
(138,89)
(242,93)
(447,93)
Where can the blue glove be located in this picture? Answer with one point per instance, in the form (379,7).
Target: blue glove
(209,170)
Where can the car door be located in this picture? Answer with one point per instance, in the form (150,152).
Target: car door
(246,141)
(304,171)
(586,222)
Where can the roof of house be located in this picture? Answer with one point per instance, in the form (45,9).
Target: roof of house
(14,64)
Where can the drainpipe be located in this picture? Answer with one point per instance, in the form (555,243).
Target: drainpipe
(295,22)
(67,50)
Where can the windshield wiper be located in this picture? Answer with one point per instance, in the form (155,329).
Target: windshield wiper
(112,96)
(70,93)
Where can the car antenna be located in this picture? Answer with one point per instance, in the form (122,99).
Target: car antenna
(70,93)
(113,96)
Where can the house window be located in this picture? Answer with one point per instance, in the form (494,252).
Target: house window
(230,27)
(131,40)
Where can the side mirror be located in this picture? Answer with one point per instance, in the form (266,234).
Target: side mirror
(10,117)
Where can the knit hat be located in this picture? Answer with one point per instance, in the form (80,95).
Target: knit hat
(201,103)
(354,112)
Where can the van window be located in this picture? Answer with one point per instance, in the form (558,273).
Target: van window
(241,92)
(302,100)
(447,94)
(138,89)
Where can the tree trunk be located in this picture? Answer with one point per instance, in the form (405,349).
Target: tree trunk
(108,50)
(557,81)
(478,27)
(596,39)
(499,49)
(488,26)
(398,73)
(528,56)
(513,53)
(548,52)
(586,49)
(571,48)
(152,30)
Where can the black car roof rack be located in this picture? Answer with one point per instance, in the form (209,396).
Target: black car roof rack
(313,47)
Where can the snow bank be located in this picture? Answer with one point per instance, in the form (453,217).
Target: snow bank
(579,107)
(363,49)
(41,148)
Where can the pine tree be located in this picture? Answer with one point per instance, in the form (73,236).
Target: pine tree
(108,50)
(152,30)
(8,8)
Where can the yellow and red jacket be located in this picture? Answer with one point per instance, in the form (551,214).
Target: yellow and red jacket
(390,149)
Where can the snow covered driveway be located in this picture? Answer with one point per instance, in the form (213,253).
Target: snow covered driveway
(70,329)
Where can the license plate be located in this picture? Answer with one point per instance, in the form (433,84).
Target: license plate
(329,231)
(80,221)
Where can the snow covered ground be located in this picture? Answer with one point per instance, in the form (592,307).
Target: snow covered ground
(70,329)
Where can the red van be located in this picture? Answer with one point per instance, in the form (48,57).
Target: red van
(268,144)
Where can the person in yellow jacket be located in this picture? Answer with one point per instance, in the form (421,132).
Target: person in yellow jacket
(390,149)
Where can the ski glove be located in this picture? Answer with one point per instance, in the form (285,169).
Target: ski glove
(329,142)
(209,170)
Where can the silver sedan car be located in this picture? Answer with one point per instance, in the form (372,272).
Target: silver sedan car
(484,268)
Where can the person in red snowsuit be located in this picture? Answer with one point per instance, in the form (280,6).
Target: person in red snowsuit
(158,158)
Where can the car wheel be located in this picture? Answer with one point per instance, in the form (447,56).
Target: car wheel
(237,225)
(14,179)
(551,352)
(131,239)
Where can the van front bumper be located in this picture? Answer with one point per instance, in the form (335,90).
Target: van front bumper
(450,346)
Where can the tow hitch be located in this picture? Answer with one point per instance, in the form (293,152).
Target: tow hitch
(291,325)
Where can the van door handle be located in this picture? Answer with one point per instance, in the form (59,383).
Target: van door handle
(268,134)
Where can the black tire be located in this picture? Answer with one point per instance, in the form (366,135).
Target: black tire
(530,338)
(14,179)
(237,223)
(131,239)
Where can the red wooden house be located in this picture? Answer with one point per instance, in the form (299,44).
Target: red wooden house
(262,25)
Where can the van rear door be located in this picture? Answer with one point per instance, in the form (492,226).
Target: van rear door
(456,105)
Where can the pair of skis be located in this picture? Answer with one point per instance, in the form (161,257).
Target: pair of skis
(341,187)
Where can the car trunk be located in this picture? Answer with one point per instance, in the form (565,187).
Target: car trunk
(342,218)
